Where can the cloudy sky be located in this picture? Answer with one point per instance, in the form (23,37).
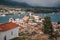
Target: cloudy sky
(45,3)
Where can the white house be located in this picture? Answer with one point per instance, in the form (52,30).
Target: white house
(8,31)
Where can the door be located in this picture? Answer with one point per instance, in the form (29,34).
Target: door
(5,38)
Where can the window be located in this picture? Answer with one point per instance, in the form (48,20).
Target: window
(11,33)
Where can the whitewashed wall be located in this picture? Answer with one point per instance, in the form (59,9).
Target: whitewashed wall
(8,34)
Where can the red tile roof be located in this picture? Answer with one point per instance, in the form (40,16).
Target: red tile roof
(7,26)
(21,28)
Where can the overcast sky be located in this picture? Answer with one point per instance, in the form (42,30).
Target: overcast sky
(46,3)
(49,3)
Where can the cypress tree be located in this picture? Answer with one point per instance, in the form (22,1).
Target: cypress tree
(48,27)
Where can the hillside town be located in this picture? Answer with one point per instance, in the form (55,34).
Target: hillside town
(29,19)
(30,26)
(14,10)
(9,10)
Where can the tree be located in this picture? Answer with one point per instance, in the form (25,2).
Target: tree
(48,27)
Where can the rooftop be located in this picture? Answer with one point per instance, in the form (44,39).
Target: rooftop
(7,26)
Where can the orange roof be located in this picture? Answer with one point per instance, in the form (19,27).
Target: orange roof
(21,28)
(25,18)
(26,24)
(7,26)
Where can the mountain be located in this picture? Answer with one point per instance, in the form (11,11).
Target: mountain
(20,4)
(14,4)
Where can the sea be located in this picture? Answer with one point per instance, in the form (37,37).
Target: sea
(55,17)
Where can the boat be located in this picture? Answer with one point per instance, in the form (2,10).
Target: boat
(3,15)
(53,12)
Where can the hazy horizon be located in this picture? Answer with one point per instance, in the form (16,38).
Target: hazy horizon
(43,3)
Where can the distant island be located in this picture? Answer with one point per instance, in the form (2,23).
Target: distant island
(32,9)
(42,10)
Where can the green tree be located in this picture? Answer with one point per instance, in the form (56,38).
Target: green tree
(48,27)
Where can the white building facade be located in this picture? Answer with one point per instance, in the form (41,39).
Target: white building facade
(9,34)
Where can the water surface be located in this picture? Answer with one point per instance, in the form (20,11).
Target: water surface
(55,17)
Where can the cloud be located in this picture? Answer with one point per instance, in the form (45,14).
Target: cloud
(48,3)
(45,3)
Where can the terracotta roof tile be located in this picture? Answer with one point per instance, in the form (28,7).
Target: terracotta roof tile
(7,26)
